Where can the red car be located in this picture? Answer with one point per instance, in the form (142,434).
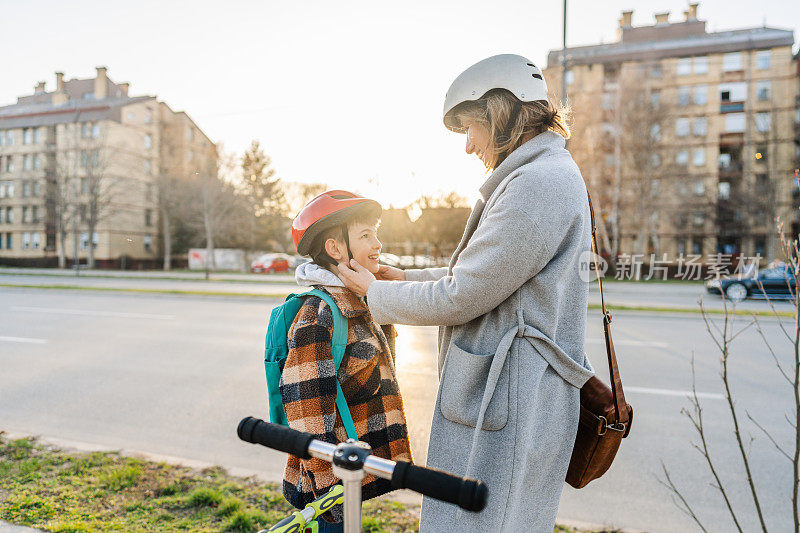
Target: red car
(270,263)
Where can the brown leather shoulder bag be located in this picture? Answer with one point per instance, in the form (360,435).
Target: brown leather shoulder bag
(605,417)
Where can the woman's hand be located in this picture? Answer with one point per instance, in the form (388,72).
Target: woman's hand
(355,277)
(388,273)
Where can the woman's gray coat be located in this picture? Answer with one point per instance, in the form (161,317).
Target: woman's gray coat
(512,307)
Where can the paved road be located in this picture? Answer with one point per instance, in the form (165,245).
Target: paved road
(172,375)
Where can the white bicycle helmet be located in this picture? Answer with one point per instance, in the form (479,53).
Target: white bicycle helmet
(506,71)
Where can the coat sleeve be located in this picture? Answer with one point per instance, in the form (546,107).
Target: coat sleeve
(308,384)
(425,274)
(509,247)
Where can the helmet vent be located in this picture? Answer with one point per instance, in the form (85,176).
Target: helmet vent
(531,65)
(537,76)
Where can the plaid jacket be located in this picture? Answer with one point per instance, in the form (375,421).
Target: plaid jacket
(369,384)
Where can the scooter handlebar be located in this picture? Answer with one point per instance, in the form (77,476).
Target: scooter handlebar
(275,436)
(467,493)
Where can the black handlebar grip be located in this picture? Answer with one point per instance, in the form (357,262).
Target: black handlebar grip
(275,436)
(467,493)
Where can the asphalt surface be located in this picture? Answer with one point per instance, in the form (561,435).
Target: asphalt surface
(172,375)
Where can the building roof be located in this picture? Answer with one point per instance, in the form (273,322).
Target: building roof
(48,114)
(654,42)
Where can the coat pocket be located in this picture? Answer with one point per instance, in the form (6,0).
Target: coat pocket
(463,386)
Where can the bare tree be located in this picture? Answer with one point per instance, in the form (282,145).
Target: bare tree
(723,335)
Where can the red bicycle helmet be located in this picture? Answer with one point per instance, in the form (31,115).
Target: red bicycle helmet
(328,210)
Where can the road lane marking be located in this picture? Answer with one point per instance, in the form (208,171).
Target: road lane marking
(674,392)
(83,312)
(653,344)
(23,339)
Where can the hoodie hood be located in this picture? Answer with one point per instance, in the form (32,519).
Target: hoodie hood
(309,274)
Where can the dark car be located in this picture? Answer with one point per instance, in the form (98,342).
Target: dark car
(776,283)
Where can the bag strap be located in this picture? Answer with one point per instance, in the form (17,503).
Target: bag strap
(338,346)
(613,368)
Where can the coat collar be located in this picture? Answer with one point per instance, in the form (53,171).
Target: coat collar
(547,141)
(349,303)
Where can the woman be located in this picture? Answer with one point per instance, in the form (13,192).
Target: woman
(511,305)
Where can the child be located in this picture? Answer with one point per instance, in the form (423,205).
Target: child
(336,226)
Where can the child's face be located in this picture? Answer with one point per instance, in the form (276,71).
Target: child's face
(365,246)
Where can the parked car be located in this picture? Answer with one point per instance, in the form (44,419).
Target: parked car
(270,263)
(777,282)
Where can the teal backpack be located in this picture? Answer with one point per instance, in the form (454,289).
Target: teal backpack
(277,350)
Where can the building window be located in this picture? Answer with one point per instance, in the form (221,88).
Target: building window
(27,136)
(734,122)
(655,99)
(699,126)
(84,186)
(607,101)
(2,140)
(684,95)
(88,96)
(35,240)
(699,187)
(26,240)
(10,189)
(684,66)
(9,241)
(26,188)
(762,122)
(85,160)
(190,155)
(82,212)
(148,167)
(732,62)
(655,160)
(2,215)
(37,163)
(95,131)
(700,93)
(697,218)
(148,243)
(9,139)
(9,163)
(35,214)
(37,188)
(148,217)
(682,127)
(609,159)
(699,157)
(763,59)
(569,79)
(655,132)
(655,70)
(701,65)
(148,142)
(26,214)
(148,116)
(86,129)
(682,157)
(2,189)
(36,136)
(724,190)
(733,92)
(149,192)
(763,89)
(84,241)
(27,162)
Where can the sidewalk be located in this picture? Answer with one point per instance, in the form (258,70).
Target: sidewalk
(191,275)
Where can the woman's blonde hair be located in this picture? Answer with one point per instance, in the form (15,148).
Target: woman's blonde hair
(493,111)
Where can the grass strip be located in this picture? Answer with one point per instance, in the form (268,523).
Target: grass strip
(71,492)
(686,310)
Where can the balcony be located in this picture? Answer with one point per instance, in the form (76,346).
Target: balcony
(731,107)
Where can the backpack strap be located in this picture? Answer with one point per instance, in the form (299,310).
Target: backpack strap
(338,345)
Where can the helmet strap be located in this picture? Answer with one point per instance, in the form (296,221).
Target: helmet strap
(505,136)
(346,234)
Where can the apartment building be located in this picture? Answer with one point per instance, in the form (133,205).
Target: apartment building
(82,169)
(688,138)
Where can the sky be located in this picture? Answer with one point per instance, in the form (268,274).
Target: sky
(345,93)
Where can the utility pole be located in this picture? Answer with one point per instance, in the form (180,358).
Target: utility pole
(564,59)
